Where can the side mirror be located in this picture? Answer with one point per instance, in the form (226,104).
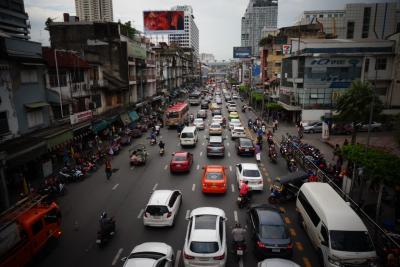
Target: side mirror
(324,243)
(208,138)
(124,259)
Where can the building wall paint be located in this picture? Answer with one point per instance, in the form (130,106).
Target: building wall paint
(7,104)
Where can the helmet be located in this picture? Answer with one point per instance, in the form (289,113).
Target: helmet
(246,182)
(103,215)
(238,225)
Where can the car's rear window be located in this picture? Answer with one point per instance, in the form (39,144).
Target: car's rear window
(239,130)
(179,158)
(205,222)
(204,247)
(156,210)
(215,126)
(246,143)
(251,173)
(214,176)
(273,232)
(187,135)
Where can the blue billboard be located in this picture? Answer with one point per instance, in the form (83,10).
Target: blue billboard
(241,52)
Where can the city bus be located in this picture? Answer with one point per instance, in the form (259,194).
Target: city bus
(176,114)
(195,98)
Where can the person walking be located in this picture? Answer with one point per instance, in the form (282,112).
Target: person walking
(108,169)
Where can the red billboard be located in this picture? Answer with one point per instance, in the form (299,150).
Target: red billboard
(163,21)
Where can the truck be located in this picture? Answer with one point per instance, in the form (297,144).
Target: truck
(26,228)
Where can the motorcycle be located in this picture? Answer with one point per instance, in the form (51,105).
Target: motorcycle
(273,157)
(105,235)
(153,141)
(243,201)
(162,151)
(239,249)
(292,166)
(70,175)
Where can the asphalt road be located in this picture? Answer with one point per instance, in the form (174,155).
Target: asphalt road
(125,195)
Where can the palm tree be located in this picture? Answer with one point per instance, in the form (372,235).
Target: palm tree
(355,104)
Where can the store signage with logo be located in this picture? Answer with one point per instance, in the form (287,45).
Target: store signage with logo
(286,49)
(81,116)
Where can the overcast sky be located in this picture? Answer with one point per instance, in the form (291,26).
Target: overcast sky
(218,20)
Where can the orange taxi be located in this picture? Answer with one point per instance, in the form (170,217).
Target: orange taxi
(214,179)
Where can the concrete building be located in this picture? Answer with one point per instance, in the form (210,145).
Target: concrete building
(13,19)
(259,15)
(190,38)
(319,71)
(394,90)
(206,58)
(357,21)
(94,10)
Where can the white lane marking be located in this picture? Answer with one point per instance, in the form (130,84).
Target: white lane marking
(202,144)
(177,258)
(230,168)
(197,167)
(115,186)
(193,187)
(229,154)
(154,187)
(166,166)
(117,256)
(241,262)
(140,214)
(201,153)
(205,136)
(233,188)
(227,144)
(235,215)
(226,136)
(187,213)
(132,168)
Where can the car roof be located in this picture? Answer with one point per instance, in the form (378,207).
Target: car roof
(269,216)
(152,247)
(181,153)
(189,129)
(208,211)
(238,128)
(215,139)
(213,124)
(244,139)
(249,166)
(278,263)
(160,197)
(204,235)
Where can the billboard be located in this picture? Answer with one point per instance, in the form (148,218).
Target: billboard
(163,22)
(241,52)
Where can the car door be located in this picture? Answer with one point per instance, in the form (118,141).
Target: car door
(174,202)
(254,223)
(238,173)
(324,241)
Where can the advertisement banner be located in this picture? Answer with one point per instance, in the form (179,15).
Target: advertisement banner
(163,22)
(80,117)
(241,52)
(286,49)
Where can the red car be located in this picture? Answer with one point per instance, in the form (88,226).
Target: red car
(181,162)
(214,179)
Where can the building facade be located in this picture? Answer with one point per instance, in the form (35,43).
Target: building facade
(13,19)
(331,21)
(259,15)
(94,10)
(190,38)
(206,58)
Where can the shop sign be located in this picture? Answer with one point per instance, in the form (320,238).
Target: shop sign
(81,116)
(286,49)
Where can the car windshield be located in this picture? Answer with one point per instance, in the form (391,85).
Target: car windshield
(354,241)
(235,121)
(215,126)
(273,232)
(251,173)
(246,143)
(157,210)
(179,158)
(214,176)
(146,255)
(204,247)
(205,222)
(187,135)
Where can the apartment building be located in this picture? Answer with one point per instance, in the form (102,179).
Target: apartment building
(94,10)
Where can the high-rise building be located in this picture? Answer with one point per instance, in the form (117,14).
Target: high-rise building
(357,21)
(94,10)
(259,14)
(190,38)
(206,58)
(13,19)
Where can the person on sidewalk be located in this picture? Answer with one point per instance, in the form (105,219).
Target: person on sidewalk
(276,124)
(108,169)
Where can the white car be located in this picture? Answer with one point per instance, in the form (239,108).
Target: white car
(249,172)
(234,123)
(205,242)
(235,96)
(232,107)
(217,119)
(162,208)
(229,103)
(277,263)
(199,123)
(238,132)
(150,254)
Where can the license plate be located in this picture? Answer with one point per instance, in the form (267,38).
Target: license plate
(239,252)
(98,241)
(203,259)
(276,250)
(178,165)
(247,150)
(156,217)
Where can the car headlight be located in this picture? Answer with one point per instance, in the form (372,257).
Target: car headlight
(334,261)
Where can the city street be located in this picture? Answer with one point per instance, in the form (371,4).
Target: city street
(125,195)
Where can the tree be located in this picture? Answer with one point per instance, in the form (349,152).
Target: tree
(127,27)
(48,22)
(355,104)
(266,40)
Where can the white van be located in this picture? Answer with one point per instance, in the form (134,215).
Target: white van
(335,230)
(189,136)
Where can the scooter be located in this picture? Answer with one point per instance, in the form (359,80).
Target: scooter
(239,249)
(243,201)
(162,150)
(273,157)
(103,237)
(152,141)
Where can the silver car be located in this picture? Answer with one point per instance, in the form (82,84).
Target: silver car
(315,127)
(199,123)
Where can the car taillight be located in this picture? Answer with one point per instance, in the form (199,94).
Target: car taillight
(169,214)
(204,185)
(241,148)
(208,147)
(252,148)
(146,214)
(260,245)
(260,182)
(188,257)
(220,257)
(290,246)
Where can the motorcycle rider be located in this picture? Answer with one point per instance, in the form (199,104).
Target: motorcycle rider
(244,190)
(153,138)
(157,128)
(271,150)
(250,123)
(239,234)
(161,144)
(107,225)
(191,117)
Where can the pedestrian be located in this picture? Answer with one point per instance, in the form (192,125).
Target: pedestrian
(258,153)
(276,124)
(108,169)
(300,131)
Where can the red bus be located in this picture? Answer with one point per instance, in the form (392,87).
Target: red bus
(176,114)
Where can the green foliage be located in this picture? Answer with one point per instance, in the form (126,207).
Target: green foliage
(244,88)
(266,40)
(127,27)
(380,166)
(257,96)
(273,106)
(48,22)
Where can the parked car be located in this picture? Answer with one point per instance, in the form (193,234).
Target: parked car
(199,123)
(234,123)
(276,262)
(245,146)
(162,208)
(150,254)
(251,173)
(271,237)
(215,146)
(205,241)
(215,129)
(238,132)
(204,104)
(315,127)
(341,128)
(375,126)
(181,162)
(214,179)
(202,113)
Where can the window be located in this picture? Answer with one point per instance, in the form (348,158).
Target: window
(37,227)
(350,30)
(309,209)
(380,63)
(29,76)
(354,241)
(366,21)
(203,222)
(34,117)
(62,76)
(157,210)
(321,15)
(204,247)
(251,173)
(324,233)
(221,229)
(366,66)
(273,231)
(4,128)
(173,199)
